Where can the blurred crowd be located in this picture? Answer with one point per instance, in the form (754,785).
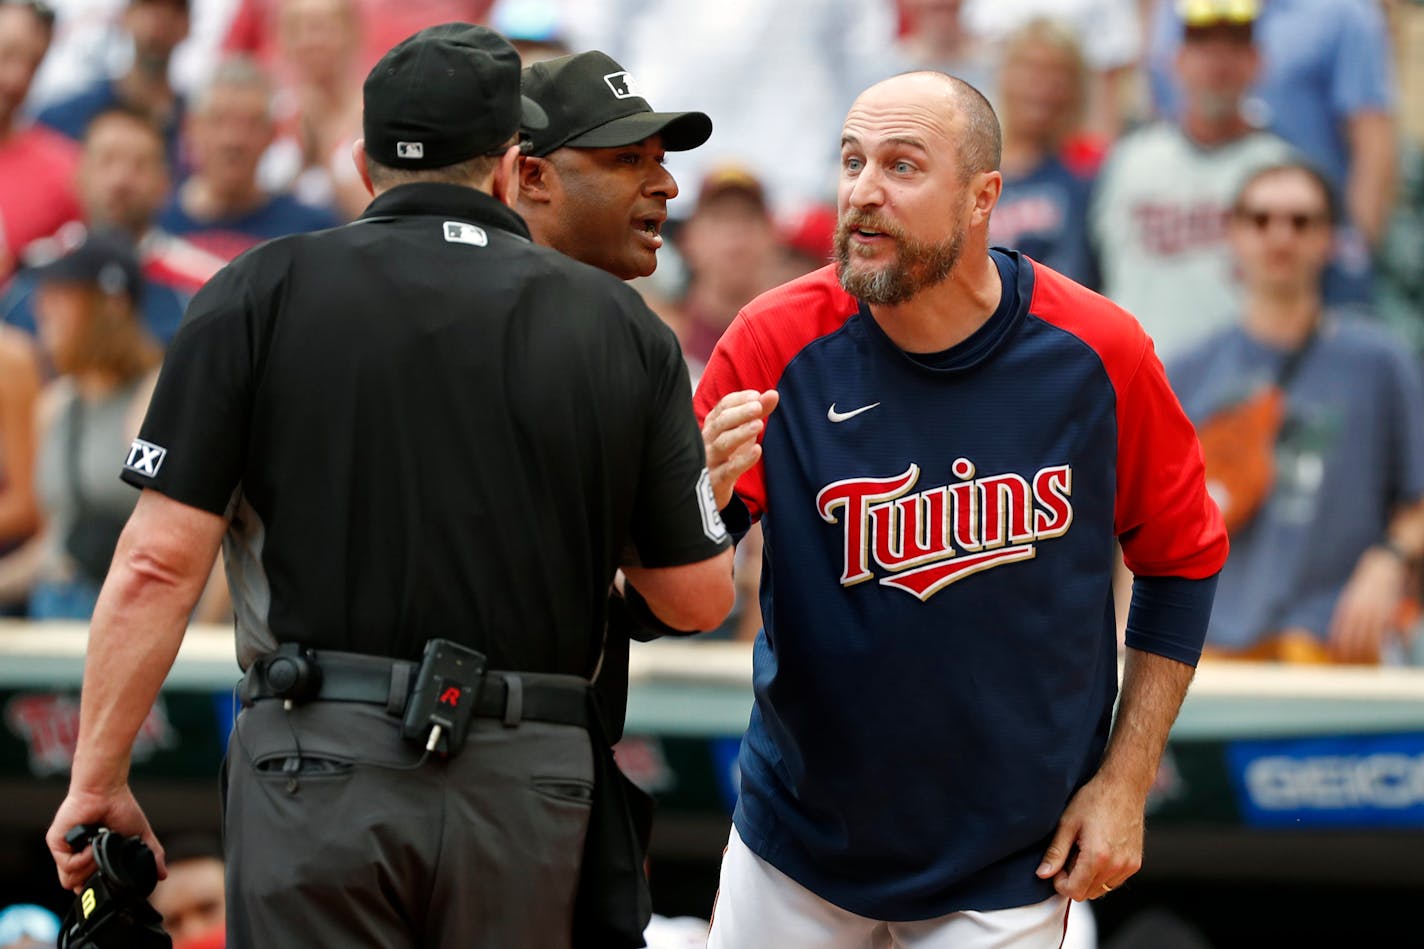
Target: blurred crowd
(1245,176)
(1217,167)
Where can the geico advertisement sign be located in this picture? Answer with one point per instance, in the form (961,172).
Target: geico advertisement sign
(1353,781)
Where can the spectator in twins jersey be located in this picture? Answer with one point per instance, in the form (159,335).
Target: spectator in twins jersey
(1158,216)
(1328,86)
(123,180)
(221,207)
(1043,210)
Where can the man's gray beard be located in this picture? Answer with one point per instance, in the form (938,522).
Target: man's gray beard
(917,267)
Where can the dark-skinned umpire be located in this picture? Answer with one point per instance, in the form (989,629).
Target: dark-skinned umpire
(423,443)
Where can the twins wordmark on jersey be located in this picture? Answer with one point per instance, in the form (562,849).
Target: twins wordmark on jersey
(926,540)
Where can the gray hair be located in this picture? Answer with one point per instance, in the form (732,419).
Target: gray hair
(471,172)
(235,72)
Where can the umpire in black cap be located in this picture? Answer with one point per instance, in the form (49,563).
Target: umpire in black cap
(593,184)
(423,443)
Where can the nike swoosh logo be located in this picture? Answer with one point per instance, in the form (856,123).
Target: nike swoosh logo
(835,416)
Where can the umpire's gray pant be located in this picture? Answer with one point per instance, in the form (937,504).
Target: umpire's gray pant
(327,846)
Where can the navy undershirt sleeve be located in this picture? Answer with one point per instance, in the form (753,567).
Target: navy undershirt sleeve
(737,519)
(1169,616)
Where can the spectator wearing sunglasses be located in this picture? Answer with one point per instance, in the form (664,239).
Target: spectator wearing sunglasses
(1322,571)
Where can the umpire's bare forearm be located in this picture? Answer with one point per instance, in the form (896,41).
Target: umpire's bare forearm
(160,566)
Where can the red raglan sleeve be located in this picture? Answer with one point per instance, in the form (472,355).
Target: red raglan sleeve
(737,363)
(1167,523)
(755,350)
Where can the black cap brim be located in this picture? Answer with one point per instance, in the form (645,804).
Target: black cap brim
(67,269)
(532,116)
(83,268)
(681,131)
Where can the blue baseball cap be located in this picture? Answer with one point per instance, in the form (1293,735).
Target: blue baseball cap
(27,920)
(106,258)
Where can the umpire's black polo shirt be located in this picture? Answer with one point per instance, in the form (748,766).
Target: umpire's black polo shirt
(424,425)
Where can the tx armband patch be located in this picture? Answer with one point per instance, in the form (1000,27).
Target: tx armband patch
(145,458)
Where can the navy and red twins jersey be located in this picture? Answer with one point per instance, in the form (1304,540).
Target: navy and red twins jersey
(938,665)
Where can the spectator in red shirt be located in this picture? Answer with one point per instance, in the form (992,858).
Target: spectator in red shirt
(36,164)
(254,30)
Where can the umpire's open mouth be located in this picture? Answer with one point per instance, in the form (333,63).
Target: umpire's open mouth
(650,230)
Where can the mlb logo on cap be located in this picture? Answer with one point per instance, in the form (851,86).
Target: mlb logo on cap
(410,149)
(624,86)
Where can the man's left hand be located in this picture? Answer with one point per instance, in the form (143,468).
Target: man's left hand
(1098,845)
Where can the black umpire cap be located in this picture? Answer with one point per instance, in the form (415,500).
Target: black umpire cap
(592,102)
(445,95)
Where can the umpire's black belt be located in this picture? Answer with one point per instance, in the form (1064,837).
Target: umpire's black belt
(510,696)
